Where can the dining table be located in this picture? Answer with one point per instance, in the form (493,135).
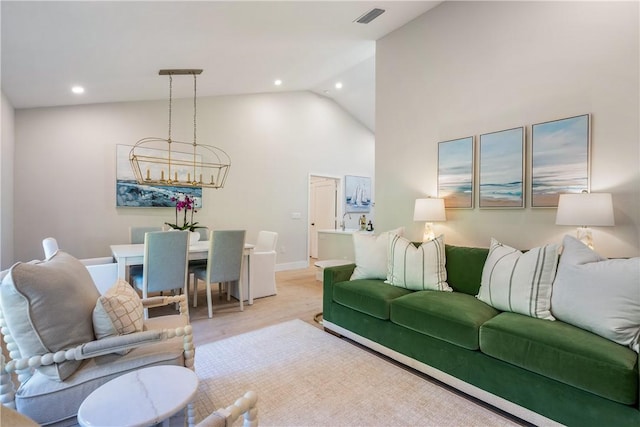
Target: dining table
(133,254)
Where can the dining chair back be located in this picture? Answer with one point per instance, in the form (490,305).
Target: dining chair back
(224,262)
(266,241)
(165,262)
(50,247)
(204,233)
(136,234)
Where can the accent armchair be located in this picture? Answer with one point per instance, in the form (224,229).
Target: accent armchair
(64,339)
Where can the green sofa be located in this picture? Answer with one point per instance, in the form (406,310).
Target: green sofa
(537,370)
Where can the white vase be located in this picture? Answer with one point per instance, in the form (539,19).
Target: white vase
(194,237)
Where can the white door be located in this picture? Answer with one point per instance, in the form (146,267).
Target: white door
(323,194)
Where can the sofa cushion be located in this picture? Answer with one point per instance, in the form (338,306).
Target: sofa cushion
(565,353)
(372,254)
(598,294)
(48,306)
(371,297)
(417,268)
(451,316)
(519,282)
(464,268)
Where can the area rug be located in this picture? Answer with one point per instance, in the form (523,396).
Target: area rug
(306,377)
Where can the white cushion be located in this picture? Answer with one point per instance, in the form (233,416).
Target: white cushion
(417,268)
(598,294)
(118,312)
(372,254)
(519,282)
(47,306)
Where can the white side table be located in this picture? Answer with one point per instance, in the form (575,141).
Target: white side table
(140,398)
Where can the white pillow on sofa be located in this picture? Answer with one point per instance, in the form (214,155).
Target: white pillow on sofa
(519,282)
(598,294)
(372,253)
(417,268)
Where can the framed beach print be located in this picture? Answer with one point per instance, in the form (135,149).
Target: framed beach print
(502,169)
(560,159)
(357,194)
(455,172)
(131,194)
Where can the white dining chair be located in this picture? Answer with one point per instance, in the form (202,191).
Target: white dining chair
(263,267)
(50,246)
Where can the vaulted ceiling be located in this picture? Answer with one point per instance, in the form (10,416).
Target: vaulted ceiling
(114,49)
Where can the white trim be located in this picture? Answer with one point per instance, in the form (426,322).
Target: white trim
(471,390)
(292,265)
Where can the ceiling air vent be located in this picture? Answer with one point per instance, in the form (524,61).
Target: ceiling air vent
(369,16)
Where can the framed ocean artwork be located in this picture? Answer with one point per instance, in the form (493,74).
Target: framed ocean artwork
(560,159)
(502,169)
(357,194)
(455,172)
(131,194)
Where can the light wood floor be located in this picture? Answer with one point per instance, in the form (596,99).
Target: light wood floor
(299,297)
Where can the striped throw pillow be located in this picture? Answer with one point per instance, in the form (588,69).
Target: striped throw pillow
(519,282)
(417,268)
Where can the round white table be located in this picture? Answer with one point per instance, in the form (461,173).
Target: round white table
(140,398)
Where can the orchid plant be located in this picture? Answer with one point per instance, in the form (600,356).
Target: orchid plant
(184,203)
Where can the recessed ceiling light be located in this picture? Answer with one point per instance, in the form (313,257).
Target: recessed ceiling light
(339,85)
(278,82)
(77,90)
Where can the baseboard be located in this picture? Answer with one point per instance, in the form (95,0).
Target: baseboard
(471,390)
(292,265)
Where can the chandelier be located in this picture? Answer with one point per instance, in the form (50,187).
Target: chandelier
(166,162)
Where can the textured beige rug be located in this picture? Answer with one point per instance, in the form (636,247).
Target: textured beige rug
(306,377)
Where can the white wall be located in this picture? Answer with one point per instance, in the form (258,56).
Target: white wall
(6,182)
(65,167)
(469,68)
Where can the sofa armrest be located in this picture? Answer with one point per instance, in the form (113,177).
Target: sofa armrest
(333,275)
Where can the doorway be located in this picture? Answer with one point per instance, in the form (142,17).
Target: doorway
(323,208)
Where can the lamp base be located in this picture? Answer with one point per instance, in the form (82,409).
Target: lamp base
(428,234)
(584,235)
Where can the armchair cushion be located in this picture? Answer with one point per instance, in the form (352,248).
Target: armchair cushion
(48,306)
(118,312)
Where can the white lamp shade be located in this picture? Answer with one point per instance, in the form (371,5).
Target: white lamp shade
(429,210)
(585,209)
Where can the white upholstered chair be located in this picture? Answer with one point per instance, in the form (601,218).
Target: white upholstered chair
(136,234)
(65,340)
(263,267)
(50,247)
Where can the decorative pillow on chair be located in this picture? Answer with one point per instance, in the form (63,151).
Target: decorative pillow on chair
(417,268)
(47,306)
(519,282)
(118,312)
(372,254)
(598,294)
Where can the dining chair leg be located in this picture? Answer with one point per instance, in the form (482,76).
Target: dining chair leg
(209,299)
(195,291)
(239,285)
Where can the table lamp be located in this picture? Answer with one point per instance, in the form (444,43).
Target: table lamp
(585,210)
(429,210)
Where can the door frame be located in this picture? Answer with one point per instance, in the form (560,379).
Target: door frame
(339,198)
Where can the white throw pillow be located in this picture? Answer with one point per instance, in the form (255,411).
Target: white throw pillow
(372,254)
(118,312)
(598,294)
(417,268)
(519,282)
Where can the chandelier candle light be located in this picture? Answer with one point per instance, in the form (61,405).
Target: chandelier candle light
(166,162)
(429,210)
